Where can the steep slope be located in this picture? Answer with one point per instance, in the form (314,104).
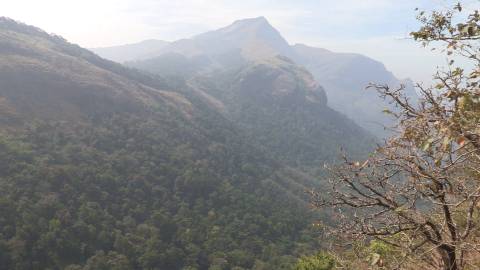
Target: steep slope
(245,39)
(345,77)
(44,77)
(232,46)
(103,167)
(280,105)
(255,38)
(274,100)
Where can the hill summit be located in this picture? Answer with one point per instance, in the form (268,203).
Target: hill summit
(343,76)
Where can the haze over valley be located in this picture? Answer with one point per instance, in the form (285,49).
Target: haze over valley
(236,148)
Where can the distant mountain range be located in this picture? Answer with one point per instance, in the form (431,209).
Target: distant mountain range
(131,52)
(293,115)
(343,76)
(201,164)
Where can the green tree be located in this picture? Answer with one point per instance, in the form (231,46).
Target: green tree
(320,261)
(110,261)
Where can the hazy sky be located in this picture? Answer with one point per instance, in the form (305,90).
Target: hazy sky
(376,28)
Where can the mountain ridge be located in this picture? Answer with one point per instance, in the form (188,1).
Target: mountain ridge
(343,75)
(129,52)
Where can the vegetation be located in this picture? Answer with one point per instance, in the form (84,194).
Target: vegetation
(320,261)
(419,192)
(279,104)
(116,195)
(103,168)
(115,172)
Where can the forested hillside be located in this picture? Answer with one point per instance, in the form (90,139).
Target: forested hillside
(103,167)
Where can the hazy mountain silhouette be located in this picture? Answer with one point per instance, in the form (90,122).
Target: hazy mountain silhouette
(131,52)
(344,76)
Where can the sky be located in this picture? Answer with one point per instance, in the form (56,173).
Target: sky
(376,28)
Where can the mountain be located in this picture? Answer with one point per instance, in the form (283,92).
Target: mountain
(231,46)
(280,104)
(131,52)
(274,100)
(106,167)
(344,76)
(251,38)
(255,38)
(44,77)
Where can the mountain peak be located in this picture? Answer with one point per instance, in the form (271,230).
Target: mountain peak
(258,24)
(249,39)
(256,37)
(249,21)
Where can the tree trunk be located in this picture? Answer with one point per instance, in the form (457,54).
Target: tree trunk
(449,257)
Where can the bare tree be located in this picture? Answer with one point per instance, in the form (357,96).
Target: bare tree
(420,190)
